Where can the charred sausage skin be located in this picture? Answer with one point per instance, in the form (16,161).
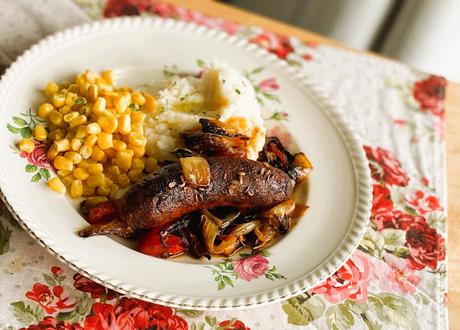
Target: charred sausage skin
(163,197)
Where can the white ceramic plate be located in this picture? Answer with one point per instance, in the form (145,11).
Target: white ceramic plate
(138,49)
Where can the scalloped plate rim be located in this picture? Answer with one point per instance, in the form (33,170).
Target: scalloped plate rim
(362,173)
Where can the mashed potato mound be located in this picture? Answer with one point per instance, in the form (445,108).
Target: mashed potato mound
(221,92)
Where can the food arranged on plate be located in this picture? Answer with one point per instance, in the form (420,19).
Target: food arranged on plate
(183,164)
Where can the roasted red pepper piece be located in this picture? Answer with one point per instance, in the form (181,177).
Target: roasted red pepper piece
(174,244)
(158,245)
(101,212)
(151,244)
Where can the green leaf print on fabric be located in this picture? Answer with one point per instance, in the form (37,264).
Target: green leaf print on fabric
(339,317)
(5,234)
(394,309)
(27,313)
(394,239)
(78,314)
(372,243)
(302,310)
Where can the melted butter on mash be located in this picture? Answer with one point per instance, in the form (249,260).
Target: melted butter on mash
(221,92)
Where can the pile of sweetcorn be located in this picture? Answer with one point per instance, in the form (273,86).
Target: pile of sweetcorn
(96,136)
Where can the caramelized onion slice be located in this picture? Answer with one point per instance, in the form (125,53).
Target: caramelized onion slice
(209,231)
(196,171)
(265,236)
(282,213)
(228,245)
(244,228)
(299,210)
(302,167)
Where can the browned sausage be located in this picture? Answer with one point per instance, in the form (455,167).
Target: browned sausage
(164,197)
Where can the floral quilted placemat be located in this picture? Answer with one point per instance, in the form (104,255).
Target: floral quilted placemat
(397,277)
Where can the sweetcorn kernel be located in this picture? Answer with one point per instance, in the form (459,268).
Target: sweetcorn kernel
(103,191)
(86,151)
(70,99)
(62,163)
(137,117)
(95,180)
(71,115)
(40,133)
(107,75)
(137,163)
(136,140)
(88,191)
(138,98)
(76,189)
(93,93)
(56,134)
(58,99)
(80,174)
(80,120)
(124,124)
(91,140)
(62,145)
(108,124)
(113,170)
(57,185)
(81,132)
(93,128)
(52,153)
(97,155)
(51,88)
(95,168)
(119,145)
(124,159)
(27,145)
(137,128)
(44,110)
(67,180)
(150,104)
(73,156)
(85,163)
(63,173)
(138,151)
(135,175)
(104,140)
(56,118)
(122,102)
(123,180)
(99,106)
(75,144)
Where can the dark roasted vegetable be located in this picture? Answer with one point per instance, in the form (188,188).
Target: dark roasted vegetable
(182,153)
(216,145)
(216,139)
(297,166)
(217,127)
(160,244)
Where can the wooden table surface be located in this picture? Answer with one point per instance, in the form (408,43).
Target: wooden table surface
(452,133)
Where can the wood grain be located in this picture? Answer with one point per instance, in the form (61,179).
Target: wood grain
(453,186)
(452,133)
